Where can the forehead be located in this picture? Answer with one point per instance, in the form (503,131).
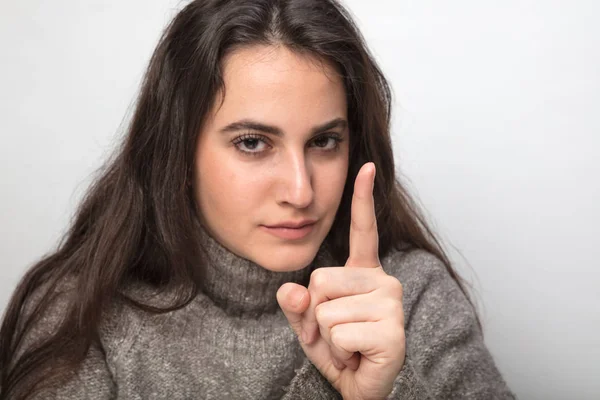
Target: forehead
(279,86)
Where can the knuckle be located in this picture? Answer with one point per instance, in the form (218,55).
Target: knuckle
(318,279)
(401,336)
(398,309)
(320,313)
(334,335)
(393,331)
(391,306)
(395,286)
(398,339)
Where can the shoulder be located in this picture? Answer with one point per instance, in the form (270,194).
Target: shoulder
(56,304)
(415,267)
(427,284)
(43,310)
(44,334)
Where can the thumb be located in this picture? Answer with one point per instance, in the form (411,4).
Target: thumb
(293,299)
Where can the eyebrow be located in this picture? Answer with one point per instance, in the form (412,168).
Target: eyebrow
(249,124)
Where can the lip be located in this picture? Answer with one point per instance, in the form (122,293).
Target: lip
(293,224)
(291,230)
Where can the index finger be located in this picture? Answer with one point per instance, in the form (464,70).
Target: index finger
(364,238)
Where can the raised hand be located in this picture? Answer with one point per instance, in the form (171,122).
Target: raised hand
(350,319)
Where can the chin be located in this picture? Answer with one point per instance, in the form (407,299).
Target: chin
(287,258)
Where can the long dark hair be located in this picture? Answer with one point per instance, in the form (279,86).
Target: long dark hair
(125,229)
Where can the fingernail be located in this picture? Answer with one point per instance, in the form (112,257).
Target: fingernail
(297,298)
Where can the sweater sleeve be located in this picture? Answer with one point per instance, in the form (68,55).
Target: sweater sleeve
(446,357)
(310,384)
(445,353)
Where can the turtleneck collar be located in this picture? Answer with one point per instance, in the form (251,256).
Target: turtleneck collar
(240,286)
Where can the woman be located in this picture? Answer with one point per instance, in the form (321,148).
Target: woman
(239,244)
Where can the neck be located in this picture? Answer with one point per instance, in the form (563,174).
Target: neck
(242,287)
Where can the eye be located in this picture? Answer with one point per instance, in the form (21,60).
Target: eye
(327,142)
(250,144)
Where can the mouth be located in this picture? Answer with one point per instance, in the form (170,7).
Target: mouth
(291,230)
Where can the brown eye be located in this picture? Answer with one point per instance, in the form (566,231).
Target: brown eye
(322,141)
(327,142)
(250,144)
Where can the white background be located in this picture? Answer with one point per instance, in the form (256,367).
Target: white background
(496,129)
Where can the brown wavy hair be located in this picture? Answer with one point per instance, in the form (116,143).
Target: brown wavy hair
(125,229)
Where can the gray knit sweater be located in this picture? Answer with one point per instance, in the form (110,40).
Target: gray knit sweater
(233,341)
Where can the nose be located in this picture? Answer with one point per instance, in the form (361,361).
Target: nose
(295,186)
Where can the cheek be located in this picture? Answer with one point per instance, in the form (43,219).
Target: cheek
(225,190)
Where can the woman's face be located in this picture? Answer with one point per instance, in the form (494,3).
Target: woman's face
(271,162)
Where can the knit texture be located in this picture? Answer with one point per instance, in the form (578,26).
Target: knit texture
(233,342)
